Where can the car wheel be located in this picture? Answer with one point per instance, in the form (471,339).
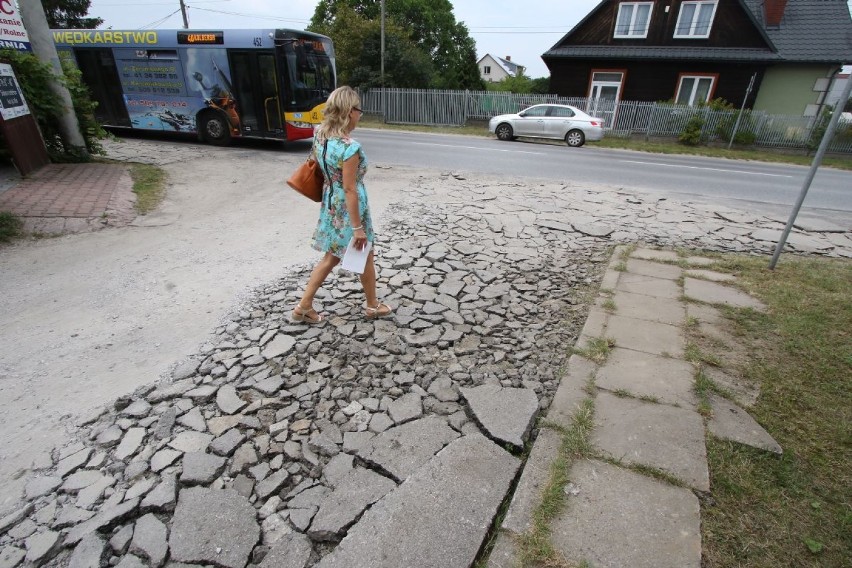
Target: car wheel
(215,129)
(575,138)
(504,132)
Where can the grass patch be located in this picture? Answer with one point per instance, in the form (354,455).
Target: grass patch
(796,509)
(694,354)
(598,349)
(149,185)
(10,226)
(535,547)
(620,267)
(609,305)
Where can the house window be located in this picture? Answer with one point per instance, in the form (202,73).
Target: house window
(633,18)
(694,89)
(486,69)
(695,19)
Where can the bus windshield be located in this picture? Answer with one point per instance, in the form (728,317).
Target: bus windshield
(310,71)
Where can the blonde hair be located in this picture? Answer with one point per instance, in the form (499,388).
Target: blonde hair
(340,103)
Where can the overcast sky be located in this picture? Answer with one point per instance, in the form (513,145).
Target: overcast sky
(523,30)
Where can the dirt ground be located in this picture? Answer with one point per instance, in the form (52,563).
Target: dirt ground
(90,317)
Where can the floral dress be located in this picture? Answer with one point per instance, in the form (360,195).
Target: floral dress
(334,229)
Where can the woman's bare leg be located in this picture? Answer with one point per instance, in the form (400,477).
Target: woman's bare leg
(318,276)
(368,281)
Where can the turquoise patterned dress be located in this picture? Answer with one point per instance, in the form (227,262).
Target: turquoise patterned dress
(334,229)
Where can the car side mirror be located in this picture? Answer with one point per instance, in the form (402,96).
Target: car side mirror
(522,114)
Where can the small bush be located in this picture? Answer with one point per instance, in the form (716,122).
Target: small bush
(745,135)
(10,226)
(691,135)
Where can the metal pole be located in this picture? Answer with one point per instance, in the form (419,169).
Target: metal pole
(183,13)
(740,115)
(383,44)
(823,147)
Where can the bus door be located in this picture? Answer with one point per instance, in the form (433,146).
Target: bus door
(256,92)
(97,65)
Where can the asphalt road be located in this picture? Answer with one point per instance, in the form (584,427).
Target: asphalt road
(767,187)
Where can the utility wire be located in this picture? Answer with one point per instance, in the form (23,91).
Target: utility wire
(265,17)
(160,21)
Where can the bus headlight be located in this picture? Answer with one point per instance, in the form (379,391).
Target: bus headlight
(300,124)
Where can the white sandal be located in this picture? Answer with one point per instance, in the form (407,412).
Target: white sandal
(379,311)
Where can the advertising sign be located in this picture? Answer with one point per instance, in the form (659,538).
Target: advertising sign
(12,32)
(12,103)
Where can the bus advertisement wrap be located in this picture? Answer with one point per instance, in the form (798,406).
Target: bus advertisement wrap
(219,84)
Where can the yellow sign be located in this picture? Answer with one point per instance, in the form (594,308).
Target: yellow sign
(106,36)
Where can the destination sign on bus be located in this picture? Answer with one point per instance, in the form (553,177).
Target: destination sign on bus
(201,38)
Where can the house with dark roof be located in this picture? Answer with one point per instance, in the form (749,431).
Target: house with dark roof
(494,69)
(692,51)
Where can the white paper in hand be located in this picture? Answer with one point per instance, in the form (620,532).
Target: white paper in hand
(355,260)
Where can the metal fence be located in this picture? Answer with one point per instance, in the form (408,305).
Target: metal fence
(621,118)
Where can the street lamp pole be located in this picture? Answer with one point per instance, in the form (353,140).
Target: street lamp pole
(383,44)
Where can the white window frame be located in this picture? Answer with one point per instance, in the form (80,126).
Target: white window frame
(692,25)
(631,31)
(692,101)
(486,69)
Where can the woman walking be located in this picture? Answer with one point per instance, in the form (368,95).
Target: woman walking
(345,213)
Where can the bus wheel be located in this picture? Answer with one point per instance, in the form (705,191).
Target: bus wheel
(215,129)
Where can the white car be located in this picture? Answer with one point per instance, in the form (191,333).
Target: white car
(560,122)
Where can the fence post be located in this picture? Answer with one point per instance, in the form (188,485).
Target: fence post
(650,122)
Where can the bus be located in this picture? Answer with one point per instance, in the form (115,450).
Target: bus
(218,84)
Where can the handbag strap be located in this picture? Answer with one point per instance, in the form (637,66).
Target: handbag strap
(325,168)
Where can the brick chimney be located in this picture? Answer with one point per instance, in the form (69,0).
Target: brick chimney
(773,12)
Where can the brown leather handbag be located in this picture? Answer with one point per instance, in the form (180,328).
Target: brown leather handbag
(308,179)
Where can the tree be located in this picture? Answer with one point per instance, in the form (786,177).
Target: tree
(69,14)
(431,27)
(357,45)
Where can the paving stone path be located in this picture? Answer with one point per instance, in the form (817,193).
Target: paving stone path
(369,443)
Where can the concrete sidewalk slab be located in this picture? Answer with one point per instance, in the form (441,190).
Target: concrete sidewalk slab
(649,286)
(572,391)
(665,437)
(646,336)
(438,517)
(653,254)
(535,476)
(661,310)
(713,293)
(711,275)
(730,422)
(654,269)
(594,326)
(622,519)
(645,375)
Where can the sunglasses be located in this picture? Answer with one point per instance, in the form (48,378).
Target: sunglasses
(358,109)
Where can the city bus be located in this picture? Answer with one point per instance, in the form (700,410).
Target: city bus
(219,84)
